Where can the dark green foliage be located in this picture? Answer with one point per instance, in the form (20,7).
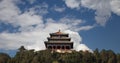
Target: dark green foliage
(45,56)
(4,58)
(118,58)
(22,48)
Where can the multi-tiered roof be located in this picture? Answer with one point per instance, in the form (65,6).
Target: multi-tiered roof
(59,41)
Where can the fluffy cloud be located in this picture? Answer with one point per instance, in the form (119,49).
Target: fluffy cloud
(77,39)
(27,20)
(72,23)
(86,27)
(39,9)
(103,8)
(83,47)
(72,3)
(10,13)
(115,6)
(8,10)
(31,40)
(58,9)
(33,28)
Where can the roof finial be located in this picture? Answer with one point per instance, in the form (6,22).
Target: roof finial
(59,30)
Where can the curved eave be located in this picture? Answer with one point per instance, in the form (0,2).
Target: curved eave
(58,34)
(59,42)
(58,38)
(70,43)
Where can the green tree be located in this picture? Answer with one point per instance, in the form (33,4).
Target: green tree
(112,57)
(22,48)
(104,56)
(88,57)
(97,56)
(4,58)
(118,58)
(45,56)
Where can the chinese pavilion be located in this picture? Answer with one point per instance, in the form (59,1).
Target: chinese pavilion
(59,42)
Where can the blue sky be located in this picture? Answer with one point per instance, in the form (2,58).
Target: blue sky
(29,22)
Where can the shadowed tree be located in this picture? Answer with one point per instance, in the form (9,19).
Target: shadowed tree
(97,56)
(22,48)
(45,56)
(4,58)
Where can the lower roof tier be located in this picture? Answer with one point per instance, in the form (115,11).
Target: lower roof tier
(58,38)
(59,44)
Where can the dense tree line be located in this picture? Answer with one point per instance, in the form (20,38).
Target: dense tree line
(45,56)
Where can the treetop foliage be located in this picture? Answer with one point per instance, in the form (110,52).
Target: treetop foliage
(45,56)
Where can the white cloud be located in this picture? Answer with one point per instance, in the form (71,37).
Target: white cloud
(31,40)
(8,10)
(27,19)
(59,9)
(88,27)
(77,39)
(115,6)
(73,3)
(92,4)
(83,47)
(10,13)
(103,8)
(72,23)
(41,9)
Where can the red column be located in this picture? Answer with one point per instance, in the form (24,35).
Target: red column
(64,47)
(60,47)
(55,47)
(52,47)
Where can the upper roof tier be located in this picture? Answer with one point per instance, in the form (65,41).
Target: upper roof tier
(58,33)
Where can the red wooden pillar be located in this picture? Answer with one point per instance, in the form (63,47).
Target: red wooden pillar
(52,48)
(64,47)
(61,47)
(56,47)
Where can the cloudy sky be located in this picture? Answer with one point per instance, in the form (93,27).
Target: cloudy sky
(91,23)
